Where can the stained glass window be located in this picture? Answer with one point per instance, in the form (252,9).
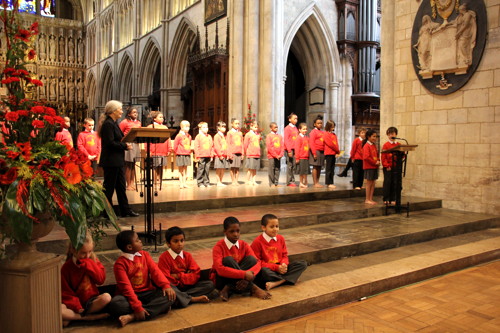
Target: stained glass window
(48,8)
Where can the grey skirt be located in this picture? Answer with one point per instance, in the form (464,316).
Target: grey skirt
(320,159)
(303,167)
(252,163)
(131,154)
(371,174)
(183,160)
(235,162)
(220,164)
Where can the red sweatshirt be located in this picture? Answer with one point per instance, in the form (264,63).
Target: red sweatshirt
(89,143)
(252,145)
(220,145)
(64,136)
(137,276)
(316,141)
(387,161)
(234,143)
(302,148)
(271,254)
(159,149)
(331,144)
(291,134)
(220,251)
(370,156)
(182,144)
(357,149)
(274,145)
(79,284)
(126,125)
(203,145)
(187,269)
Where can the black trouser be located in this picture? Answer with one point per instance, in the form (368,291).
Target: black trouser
(389,189)
(114,179)
(273,171)
(293,273)
(153,301)
(290,168)
(329,169)
(184,295)
(244,265)
(202,171)
(357,173)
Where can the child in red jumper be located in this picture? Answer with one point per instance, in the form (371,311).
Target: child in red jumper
(270,249)
(126,125)
(183,272)
(135,272)
(182,149)
(89,142)
(251,144)
(389,164)
(357,160)
(291,134)
(331,152)
(302,154)
(80,275)
(203,153)
(64,135)
(317,146)
(159,151)
(234,263)
(220,152)
(371,163)
(275,149)
(234,150)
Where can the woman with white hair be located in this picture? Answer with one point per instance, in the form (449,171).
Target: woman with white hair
(113,156)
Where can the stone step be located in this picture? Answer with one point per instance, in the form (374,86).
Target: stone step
(336,240)
(205,224)
(325,285)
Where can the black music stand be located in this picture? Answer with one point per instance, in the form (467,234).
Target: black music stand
(399,158)
(148,136)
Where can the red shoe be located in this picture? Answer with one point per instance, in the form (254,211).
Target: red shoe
(292,185)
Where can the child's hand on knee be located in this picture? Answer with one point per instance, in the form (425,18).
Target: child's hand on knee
(249,275)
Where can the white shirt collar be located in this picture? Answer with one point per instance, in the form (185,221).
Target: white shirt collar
(230,245)
(392,142)
(234,130)
(175,255)
(268,238)
(130,256)
(220,133)
(290,124)
(302,135)
(182,132)
(273,133)
(252,131)
(371,144)
(360,138)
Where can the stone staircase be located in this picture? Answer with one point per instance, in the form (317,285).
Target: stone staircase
(354,251)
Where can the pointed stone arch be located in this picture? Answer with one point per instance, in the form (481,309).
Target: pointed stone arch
(90,89)
(151,57)
(106,86)
(125,76)
(184,39)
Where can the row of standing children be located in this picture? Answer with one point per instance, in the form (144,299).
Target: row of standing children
(145,289)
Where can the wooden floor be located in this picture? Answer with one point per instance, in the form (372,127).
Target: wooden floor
(465,301)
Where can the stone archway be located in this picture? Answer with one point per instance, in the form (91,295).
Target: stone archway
(150,60)
(90,90)
(125,74)
(106,87)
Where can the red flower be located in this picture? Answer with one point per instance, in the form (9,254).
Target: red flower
(50,112)
(31,54)
(72,173)
(38,109)
(38,124)
(49,119)
(23,35)
(12,154)
(58,120)
(23,113)
(10,80)
(8,177)
(86,169)
(12,116)
(9,70)
(25,149)
(34,28)
(37,82)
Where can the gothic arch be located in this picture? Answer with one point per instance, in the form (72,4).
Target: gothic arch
(90,90)
(125,75)
(106,87)
(148,65)
(184,38)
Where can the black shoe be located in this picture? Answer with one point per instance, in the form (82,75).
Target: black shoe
(343,174)
(130,213)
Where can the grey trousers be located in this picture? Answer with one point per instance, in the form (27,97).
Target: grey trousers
(184,295)
(295,269)
(290,168)
(153,302)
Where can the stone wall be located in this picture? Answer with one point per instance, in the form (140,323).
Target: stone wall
(458,158)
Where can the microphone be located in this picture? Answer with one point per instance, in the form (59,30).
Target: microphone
(394,138)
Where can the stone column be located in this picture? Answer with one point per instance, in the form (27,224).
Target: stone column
(175,106)
(267,62)
(236,52)
(387,82)
(251,56)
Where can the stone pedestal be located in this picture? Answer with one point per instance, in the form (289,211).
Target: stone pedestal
(30,289)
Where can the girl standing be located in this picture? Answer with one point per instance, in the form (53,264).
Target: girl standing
(331,152)
(371,163)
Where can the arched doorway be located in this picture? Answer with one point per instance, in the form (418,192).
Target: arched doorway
(295,89)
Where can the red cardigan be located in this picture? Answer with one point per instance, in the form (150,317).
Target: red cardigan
(64,136)
(272,254)
(79,284)
(234,143)
(137,276)
(387,161)
(160,149)
(291,134)
(203,146)
(252,145)
(331,144)
(302,148)
(187,269)
(274,145)
(220,146)
(220,251)
(126,125)
(370,156)
(316,141)
(89,143)
(182,144)
(357,149)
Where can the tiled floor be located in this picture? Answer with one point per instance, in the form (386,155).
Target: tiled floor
(465,301)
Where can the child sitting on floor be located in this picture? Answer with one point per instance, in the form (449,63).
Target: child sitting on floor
(135,272)
(270,249)
(183,272)
(80,275)
(234,263)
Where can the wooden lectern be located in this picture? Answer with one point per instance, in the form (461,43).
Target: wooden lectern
(399,158)
(148,136)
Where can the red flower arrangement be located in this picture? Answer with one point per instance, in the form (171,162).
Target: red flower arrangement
(247,123)
(37,173)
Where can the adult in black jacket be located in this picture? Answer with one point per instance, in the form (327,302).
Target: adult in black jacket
(113,156)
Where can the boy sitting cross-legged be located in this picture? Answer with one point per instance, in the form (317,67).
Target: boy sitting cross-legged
(270,249)
(183,272)
(135,272)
